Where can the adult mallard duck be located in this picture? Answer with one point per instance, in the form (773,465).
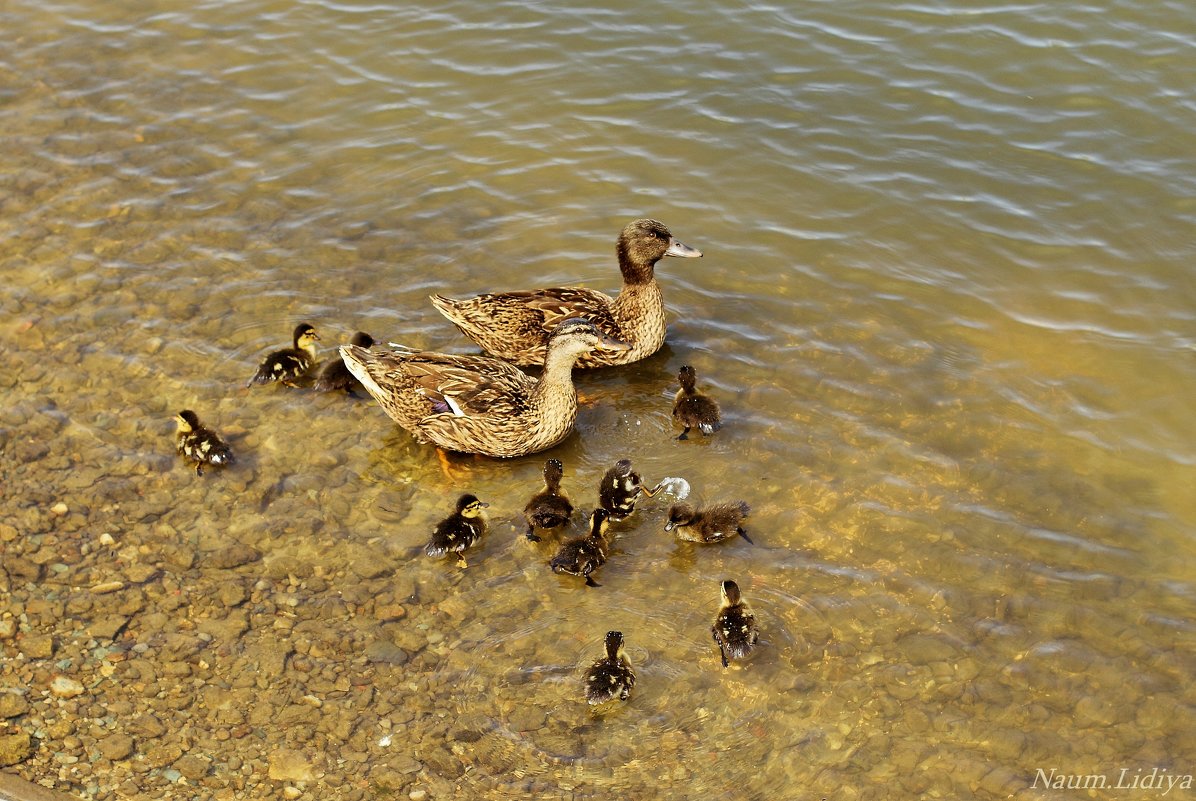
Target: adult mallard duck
(550,507)
(692,408)
(715,523)
(290,363)
(516,326)
(474,404)
(734,628)
(335,376)
(610,677)
(200,445)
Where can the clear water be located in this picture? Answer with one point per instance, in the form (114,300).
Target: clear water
(947,303)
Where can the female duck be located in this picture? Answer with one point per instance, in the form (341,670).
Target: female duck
(610,677)
(474,404)
(516,326)
(711,524)
(200,445)
(550,507)
(291,363)
(460,530)
(693,409)
(734,628)
(335,376)
(581,557)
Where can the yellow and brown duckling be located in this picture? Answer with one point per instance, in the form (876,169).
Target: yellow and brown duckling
(693,409)
(714,523)
(619,490)
(291,363)
(200,445)
(335,377)
(581,557)
(549,508)
(460,530)
(734,628)
(516,326)
(475,404)
(611,676)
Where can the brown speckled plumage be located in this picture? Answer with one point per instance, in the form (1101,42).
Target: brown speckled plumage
(515,326)
(475,404)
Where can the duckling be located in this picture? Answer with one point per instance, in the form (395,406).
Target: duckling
(712,524)
(335,376)
(620,488)
(610,677)
(200,445)
(583,556)
(691,408)
(550,507)
(460,530)
(734,628)
(291,363)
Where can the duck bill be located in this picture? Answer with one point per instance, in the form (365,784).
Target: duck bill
(684,251)
(610,343)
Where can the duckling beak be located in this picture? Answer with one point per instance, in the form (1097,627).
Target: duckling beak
(610,343)
(684,251)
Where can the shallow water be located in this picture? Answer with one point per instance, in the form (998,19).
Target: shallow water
(946,302)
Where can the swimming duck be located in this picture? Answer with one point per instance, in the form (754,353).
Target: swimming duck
(583,556)
(335,376)
(734,628)
(460,530)
(611,676)
(291,363)
(200,445)
(550,507)
(694,409)
(711,524)
(619,489)
(516,326)
(476,404)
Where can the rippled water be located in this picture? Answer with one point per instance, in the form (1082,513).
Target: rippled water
(947,303)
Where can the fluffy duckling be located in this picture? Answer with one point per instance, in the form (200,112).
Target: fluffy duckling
(200,445)
(734,628)
(460,530)
(583,556)
(550,507)
(291,363)
(610,677)
(693,409)
(711,524)
(620,488)
(335,376)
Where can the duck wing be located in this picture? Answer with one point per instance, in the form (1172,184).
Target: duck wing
(468,386)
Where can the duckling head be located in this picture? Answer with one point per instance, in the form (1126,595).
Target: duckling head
(614,644)
(730,593)
(622,468)
(688,377)
(305,335)
(362,340)
(469,506)
(642,243)
(680,514)
(187,421)
(599,522)
(553,472)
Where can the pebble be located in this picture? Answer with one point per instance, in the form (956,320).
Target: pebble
(59,509)
(8,628)
(108,586)
(116,746)
(418,795)
(291,792)
(386,652)
(15,748)
(12,705)
(287,764)
(65,687)
(38,647)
